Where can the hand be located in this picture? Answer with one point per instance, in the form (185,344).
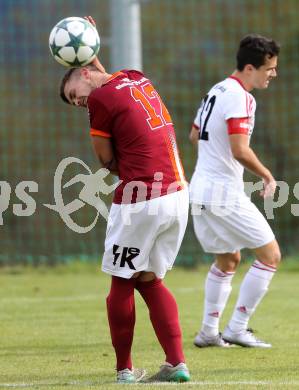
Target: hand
(96,61)
(269,187)
(90,20)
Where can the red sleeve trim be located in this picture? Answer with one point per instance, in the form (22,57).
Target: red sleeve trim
(238,126)
(100,133)
(197,127)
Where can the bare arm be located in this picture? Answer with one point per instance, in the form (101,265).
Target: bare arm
(245,155)
(104,152)
(193,136)
(96,61)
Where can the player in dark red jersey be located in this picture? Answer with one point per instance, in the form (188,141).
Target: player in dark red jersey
(133,136)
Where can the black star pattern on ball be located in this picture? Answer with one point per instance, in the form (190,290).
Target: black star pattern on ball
(75,43)
(55,49)
(63,25)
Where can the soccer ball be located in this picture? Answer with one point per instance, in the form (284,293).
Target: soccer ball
(74,42)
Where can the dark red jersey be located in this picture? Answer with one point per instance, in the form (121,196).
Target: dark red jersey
(129,110)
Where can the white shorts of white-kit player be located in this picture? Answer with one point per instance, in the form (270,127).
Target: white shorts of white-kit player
(229,228)
(145,236)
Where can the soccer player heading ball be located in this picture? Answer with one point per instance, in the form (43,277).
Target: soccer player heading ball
(133,136)
(225,220)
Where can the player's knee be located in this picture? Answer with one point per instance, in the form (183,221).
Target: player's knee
(235,260)
(136,275)
(275,257)
(237,257)
(146,276)
(228,262)
(272,258)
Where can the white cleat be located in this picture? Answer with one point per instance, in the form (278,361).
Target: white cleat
(245,338)
(130,376)
(203,341)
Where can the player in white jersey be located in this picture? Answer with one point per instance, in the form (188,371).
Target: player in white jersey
(225,220)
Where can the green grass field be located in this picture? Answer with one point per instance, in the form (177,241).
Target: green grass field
(54,332)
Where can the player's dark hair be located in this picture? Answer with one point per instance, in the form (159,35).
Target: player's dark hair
(67,77)
(254,49)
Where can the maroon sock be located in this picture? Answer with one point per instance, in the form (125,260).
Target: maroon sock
(121,316)
(164,317)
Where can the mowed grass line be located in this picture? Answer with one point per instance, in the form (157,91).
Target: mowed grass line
(54,331)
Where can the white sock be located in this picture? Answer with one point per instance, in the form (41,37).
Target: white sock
(253,288)
(217,290)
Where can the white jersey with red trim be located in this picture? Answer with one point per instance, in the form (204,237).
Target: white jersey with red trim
(218,176)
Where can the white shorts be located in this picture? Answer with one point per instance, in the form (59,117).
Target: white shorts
(240,226)
(145,236)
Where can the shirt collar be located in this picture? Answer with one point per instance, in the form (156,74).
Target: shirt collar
(114,76)
(238,80)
